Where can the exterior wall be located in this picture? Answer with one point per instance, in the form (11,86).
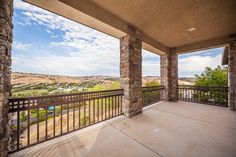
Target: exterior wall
(232,75)
(6,12)
(131,71)
(169,75)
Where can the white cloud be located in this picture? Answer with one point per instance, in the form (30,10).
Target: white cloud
(89,52)
(205,52)
(75,34)
(189,66)
(83,63)
(151,69)
(21,46)
(148,55)
(150,64)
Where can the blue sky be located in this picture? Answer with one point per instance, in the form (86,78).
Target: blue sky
(49,44)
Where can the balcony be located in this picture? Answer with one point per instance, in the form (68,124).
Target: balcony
(38,119)
(164,129)
(111,123)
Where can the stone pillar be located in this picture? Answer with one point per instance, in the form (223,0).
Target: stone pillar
(6,12)
(169,75)
(131,71)
(232,75)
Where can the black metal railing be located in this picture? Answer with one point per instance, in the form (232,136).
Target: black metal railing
(38,119)
(151,94)
(217,96)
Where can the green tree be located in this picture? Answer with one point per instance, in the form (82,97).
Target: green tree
(212,77)
(23,116)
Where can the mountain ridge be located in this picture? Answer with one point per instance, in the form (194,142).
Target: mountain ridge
(34,78)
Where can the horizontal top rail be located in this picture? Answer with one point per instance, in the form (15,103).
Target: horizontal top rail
(204,88)
(19,104)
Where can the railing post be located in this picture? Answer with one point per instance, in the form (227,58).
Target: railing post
(131,71)
(169,75)
(6,12)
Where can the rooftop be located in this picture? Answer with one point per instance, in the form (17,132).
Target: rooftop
(164,129)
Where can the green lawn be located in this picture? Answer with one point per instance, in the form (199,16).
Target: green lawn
(39,90)
(30,92)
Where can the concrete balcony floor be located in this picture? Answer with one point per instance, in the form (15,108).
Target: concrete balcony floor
(164,129)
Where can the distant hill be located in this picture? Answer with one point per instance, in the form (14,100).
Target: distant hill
(182,80)
(188,79)
(33,78)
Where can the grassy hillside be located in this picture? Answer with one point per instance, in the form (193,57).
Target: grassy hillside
(27,84)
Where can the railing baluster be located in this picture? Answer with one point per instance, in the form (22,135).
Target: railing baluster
(115,105)
(112,105)
(94,111)
(46,124)
(98,105)
(197,94)
(118,103)
(79,115)
(54,121)
(61,118)
(121,108)
(102,108)
(84,113)
(89,112)
(73,116)
(28,126)
(37,124)
(109,107)
(191,96)
(18,127)
(105,108)
(67,119)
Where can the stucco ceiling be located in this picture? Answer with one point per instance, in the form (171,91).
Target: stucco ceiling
(176,22)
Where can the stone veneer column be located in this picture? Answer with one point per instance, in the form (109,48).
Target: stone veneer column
(169,75)
(6,12)
(131,71)
(232,75)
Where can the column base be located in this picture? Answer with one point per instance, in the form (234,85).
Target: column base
(133,113)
